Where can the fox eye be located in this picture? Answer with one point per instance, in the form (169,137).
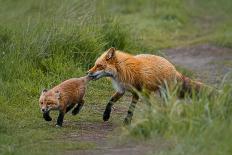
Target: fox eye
(41,102)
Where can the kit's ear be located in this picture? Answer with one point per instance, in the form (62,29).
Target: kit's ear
(110,53)
(58,94)
(44,91)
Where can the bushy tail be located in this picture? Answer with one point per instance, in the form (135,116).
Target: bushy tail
(188,86)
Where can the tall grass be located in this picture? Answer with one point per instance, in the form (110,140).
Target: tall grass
(197,125)
(46,43)
(163,24)
(41,44)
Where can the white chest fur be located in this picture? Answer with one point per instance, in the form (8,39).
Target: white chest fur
(118,86)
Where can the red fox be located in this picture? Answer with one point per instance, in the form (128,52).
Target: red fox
(63,97)
(144,71)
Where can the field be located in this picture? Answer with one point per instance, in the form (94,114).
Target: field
(45,42)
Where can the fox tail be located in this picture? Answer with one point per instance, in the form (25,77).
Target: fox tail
(188,86)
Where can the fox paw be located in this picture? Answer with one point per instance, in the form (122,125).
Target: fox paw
(47,117)
(127,121)
(74,112)
(106,116)
(58,126)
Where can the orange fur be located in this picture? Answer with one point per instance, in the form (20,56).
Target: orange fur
(63,96)
(144,71)
(140,71)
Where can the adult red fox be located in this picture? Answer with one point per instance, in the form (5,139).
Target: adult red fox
(144,71)
(63,97)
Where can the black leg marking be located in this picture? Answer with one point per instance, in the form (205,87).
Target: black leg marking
(106,114)
(60,119)
(46,116)
(77,109)
(69,107)
(114,98)
(130,112)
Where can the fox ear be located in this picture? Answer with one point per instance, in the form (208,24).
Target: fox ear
(58,94)
(110,53)
(44,91)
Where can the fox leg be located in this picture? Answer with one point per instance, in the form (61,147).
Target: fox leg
(113,99)
(130,112)
(69,108)
(46,116)
(77,109)
(60,119)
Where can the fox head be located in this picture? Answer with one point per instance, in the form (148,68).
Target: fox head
(105,65)
(49,100)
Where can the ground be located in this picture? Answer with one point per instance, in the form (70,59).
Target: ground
(209,62)
(104,136)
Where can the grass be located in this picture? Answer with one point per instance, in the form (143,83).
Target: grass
(165,24)
(40,48)
(45,42)
(199,125)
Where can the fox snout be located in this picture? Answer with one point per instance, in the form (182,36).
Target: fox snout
(91,73)
(44,110)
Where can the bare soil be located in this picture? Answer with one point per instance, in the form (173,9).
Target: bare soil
(210,63)
(107,138)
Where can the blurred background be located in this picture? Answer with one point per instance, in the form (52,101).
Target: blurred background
(45,42)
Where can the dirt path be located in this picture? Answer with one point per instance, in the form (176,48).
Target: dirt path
(104,135)
(210,63)
(98,133)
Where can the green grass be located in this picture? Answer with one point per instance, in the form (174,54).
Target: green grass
(197,125)
(165,24)
(45,42)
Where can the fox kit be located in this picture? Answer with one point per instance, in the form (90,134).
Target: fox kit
(144,71)
(63,97)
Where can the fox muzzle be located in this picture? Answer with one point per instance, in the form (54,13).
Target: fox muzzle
(99,74)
